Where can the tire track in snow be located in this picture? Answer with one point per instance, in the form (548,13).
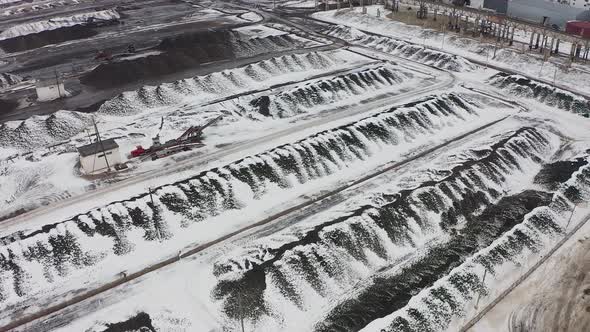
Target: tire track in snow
(489,307)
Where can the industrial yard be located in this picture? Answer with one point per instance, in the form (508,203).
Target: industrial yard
(178,165)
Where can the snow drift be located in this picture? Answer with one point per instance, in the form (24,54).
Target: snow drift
(381,253)
(521,86)
(526,235)
(529,64)
(367,82)
(401,48)
(202,89)
(43,130)
(58,251)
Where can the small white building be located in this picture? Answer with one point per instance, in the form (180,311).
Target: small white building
(93,160)
(50,90)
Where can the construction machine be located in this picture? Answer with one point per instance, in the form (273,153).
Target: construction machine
(191,138)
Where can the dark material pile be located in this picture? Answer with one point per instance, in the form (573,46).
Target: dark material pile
(552,175)
(181,52)
(186,51)
(139,322)
(7,105)
(36,40)
(555,97)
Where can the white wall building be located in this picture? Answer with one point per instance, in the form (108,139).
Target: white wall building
(50,90)
(93,160)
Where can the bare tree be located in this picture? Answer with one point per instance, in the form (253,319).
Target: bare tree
(422,10)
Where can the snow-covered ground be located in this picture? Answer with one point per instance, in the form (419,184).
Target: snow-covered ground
(135,117)
(251,200)
(251,16)
(378,187)
(299,4)
(555,295)
(575,78)
(189,295)
(259,31)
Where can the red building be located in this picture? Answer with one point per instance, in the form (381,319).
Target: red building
(579,28)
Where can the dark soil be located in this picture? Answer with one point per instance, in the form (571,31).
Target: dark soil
(205,44)
(7,105)
(552,175)
(91,108)
(392,217)
(300,99)
(36,40)
(262,104)
(181,53)
(140,322)
(542,92)
(389,294)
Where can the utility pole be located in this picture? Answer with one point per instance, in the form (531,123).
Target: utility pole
(424,41)
(495,48)
(101,145)
(57,82)
(571,216)
(555,76)
(240,309)
(89,136)
(443,41)
(483,280)
(157,227)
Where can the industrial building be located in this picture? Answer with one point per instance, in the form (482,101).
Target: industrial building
(100,156)
(50,89)
(579,28)
(558,14)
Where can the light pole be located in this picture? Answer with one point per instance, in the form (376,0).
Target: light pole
(241,309)
(443,41)
(571,216)
(483,280)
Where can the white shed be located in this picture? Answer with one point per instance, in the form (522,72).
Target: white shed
(93,159)
(49,90)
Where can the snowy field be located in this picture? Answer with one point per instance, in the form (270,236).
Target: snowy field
(574,78)
(308,278)
(384,185)
(299,4)
(135,117)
